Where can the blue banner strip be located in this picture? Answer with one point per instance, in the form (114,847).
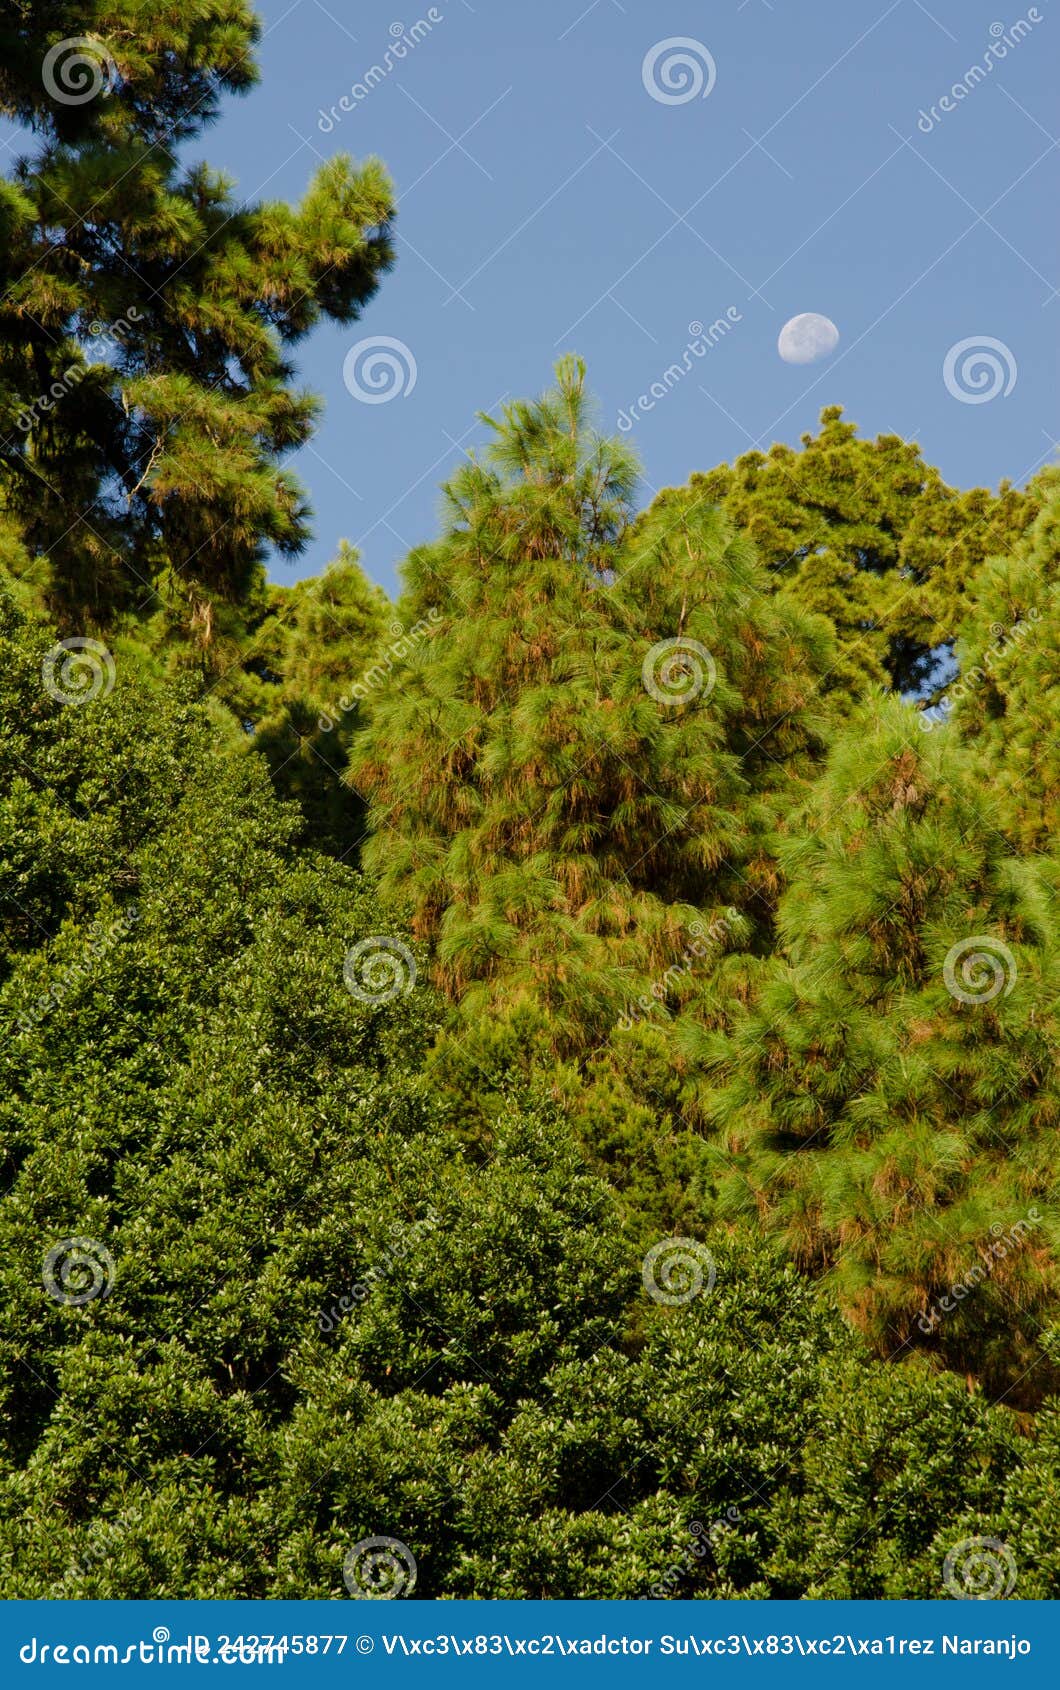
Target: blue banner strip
(405,1642)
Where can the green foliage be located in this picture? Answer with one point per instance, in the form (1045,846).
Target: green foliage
(1007,694)
(554,818)
(323,1318)
(900,1468)
(170,61)
(869,535)
(887,1097)
(148,317)
(737,956)
(294,671)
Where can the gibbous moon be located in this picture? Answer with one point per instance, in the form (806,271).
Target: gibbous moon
(806,338)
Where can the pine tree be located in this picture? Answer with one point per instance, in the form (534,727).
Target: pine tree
(300,686)
(583,756)
(164,64)
(259,1305)
(1006,696)
(869,535)
(148,316)
(887,1099)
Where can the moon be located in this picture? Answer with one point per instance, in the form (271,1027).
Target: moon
(806,338)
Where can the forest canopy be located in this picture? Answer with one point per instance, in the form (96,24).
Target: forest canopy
(556,1071)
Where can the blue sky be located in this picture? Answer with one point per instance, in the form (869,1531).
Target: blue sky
(549,202)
